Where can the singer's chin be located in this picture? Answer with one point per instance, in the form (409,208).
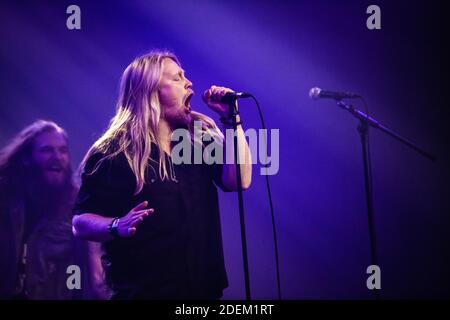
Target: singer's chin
(188,121)
(184,121)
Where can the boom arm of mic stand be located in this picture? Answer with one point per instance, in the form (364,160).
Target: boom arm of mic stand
(375,124)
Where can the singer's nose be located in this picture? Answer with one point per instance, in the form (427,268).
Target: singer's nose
(188,84)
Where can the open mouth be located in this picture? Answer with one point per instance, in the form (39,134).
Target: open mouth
(187,101)
(55,168)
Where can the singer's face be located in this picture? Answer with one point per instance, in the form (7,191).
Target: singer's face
(175,92)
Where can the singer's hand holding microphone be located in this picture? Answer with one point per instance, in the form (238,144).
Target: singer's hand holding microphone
(218,99)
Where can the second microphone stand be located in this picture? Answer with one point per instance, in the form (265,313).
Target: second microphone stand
(363,129)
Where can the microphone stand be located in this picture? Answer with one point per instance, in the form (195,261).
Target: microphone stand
(233,114)
(363,128)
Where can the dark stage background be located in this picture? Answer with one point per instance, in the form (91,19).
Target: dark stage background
(276,50)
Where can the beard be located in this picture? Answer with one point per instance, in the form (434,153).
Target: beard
(177,120)
(49,198)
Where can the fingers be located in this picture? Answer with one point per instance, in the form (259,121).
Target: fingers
(134,222)
(147,211)
(138,209)
(131,232)
(206,95)
(140,206)
(129,223)
(138,216)
(134,214)
(216,92)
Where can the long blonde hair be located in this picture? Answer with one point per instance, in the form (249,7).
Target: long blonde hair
(134,127)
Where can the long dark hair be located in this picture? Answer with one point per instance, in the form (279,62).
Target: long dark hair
(15,155)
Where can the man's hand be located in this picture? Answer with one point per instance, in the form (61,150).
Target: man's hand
(128,224)
(214,94)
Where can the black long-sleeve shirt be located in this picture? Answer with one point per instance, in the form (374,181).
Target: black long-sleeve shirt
(176,252)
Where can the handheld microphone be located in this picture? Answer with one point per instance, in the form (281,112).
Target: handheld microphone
(229,97)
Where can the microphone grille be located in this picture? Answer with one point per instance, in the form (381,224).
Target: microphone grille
(314,93)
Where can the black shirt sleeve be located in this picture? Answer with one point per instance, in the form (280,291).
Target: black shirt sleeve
(107,190)
(217,170)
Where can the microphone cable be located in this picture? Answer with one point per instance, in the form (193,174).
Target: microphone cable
(275,241)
